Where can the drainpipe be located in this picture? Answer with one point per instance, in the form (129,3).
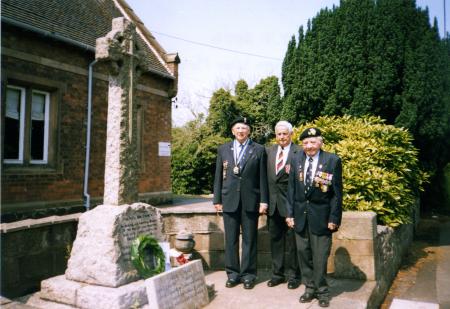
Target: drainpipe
(87,197)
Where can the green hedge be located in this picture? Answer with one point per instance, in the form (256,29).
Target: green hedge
(381,171)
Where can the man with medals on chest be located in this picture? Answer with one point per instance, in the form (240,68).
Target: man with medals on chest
(314,206)
(240,192)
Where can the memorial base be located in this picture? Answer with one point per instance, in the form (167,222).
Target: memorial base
(101,250)
(61,293)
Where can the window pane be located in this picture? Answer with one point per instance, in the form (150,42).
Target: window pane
(12,139)
(38,126)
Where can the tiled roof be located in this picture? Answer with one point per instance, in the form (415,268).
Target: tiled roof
(82,21)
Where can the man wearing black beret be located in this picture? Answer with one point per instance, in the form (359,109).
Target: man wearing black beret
(240,192)
(314,203)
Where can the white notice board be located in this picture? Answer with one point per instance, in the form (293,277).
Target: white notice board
(164,149)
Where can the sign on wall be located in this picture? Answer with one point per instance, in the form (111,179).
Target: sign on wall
(164,149)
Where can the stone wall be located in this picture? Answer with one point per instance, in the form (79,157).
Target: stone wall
(391,247)
(56,188)
(354,246)
(207,228)
(33,250)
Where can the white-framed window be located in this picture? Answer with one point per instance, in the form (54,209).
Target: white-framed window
(14,125)
(39,124)
(27,117)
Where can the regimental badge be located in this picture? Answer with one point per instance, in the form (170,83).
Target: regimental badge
(287,168)
(224,170)
(236,170)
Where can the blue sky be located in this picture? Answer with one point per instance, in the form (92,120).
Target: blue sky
(257,27)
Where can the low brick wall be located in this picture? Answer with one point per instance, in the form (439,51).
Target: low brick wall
(33,250)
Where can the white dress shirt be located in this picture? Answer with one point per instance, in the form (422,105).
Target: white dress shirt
(285,155)
(314,166)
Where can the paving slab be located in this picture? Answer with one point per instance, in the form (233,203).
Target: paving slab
(411,304)
(425,283)
(345,293)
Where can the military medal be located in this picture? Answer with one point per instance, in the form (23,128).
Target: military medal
(300,174)
(224,170)
(287,168)
(239,157)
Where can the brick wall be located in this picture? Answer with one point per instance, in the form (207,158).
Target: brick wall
(29,57)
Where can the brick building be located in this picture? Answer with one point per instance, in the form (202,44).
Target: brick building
(48,47)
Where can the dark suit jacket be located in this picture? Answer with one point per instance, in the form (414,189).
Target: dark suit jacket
(278,184)
(250,186)
(317,206)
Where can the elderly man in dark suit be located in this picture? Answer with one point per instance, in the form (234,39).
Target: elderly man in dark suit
(314,211)
(282,238)
(240,192)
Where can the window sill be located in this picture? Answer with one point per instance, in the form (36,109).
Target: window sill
(35,169)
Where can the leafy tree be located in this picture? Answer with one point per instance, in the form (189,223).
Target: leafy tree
(374,57)
(194,146)
(193,153)
(261,104)
(222,110)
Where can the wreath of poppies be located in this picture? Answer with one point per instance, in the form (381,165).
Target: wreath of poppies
(144,250)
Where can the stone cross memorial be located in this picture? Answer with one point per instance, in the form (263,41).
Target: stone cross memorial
(119,49)
(99,273)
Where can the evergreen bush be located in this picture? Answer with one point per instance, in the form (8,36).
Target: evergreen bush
(381,171)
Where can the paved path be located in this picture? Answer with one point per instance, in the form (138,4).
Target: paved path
(426,283)
(352,294)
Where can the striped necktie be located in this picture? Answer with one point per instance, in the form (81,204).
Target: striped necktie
(280,161)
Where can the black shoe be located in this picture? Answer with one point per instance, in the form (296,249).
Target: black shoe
(307,297)
(249,284)
(274,282)
(293,284)
(324,302)
(232,283)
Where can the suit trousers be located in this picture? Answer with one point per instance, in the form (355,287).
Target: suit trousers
(283,248)
(244,268)
(313,252)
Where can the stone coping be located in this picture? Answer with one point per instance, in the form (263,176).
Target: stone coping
(180,205)
(34,223)
(189,204)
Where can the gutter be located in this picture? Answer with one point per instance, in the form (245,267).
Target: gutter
(48,34)
(87,197)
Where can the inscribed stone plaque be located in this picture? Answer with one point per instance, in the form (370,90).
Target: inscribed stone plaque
(101,251)
(183,287)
